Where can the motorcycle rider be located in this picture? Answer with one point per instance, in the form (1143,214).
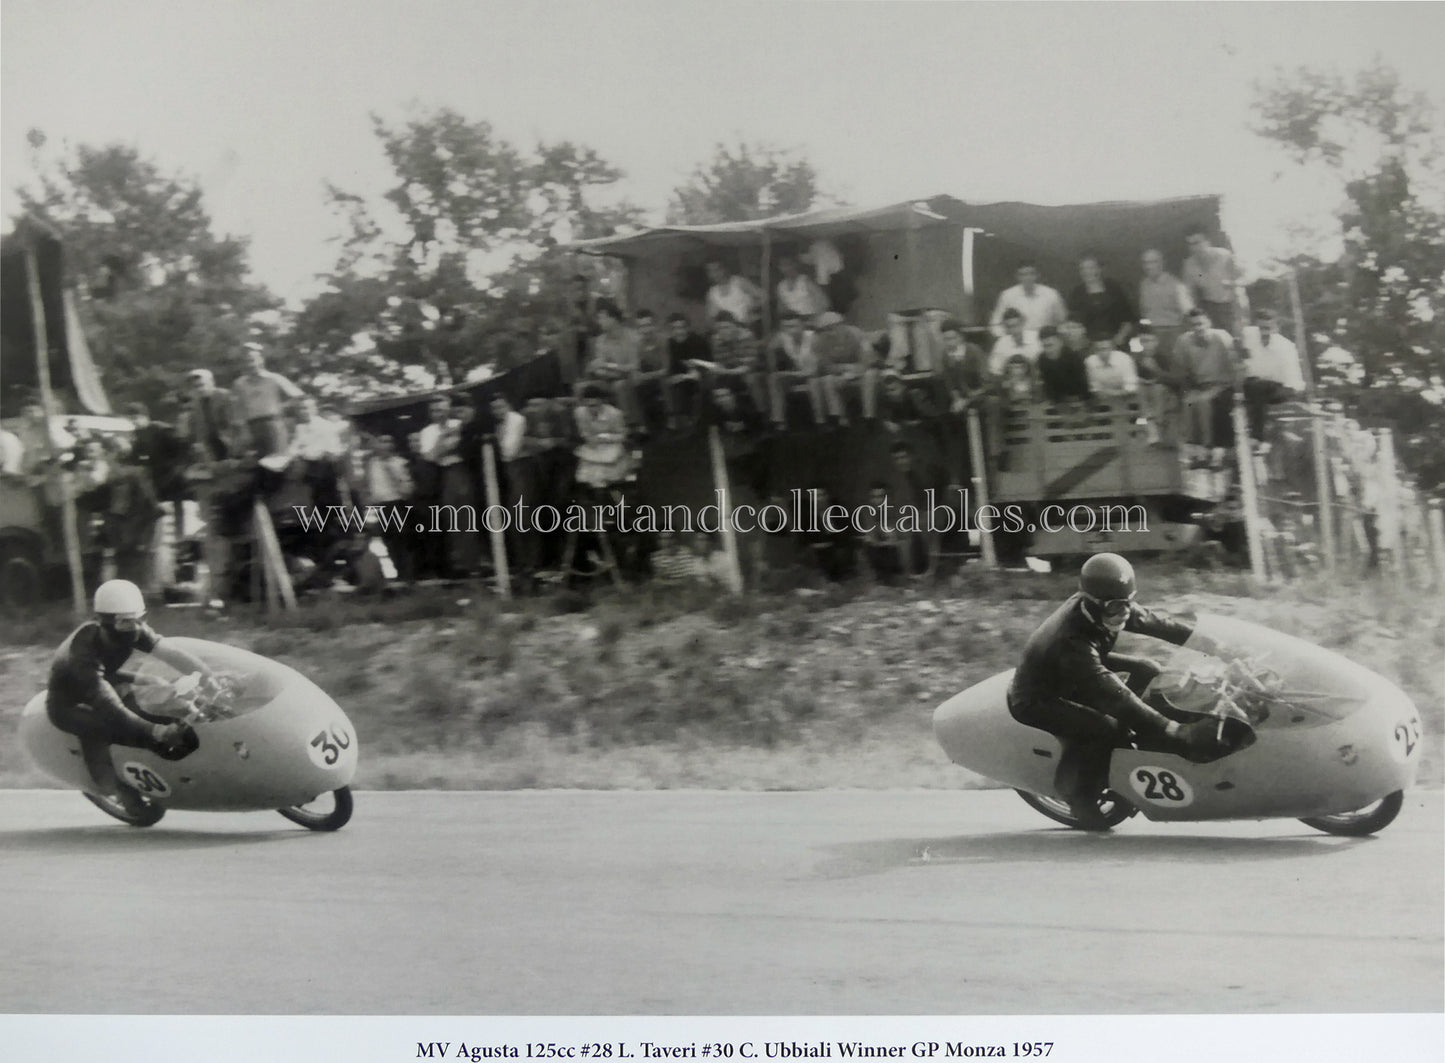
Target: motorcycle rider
(90,697)
(1066,683)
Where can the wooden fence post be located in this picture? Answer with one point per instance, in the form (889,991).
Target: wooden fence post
(498,537)
(1248,494)
(979,461)
(69,533)
(725,509)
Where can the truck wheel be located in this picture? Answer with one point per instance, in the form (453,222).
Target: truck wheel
(20,580)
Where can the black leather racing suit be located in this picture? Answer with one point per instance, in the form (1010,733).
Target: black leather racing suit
(1066,685)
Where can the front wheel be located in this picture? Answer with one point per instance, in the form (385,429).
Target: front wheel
(142,814)
(1113,810)
(1361,821)
(318,818)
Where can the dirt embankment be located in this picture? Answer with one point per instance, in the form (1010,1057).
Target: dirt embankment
(654,688)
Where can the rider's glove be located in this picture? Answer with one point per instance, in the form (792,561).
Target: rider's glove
(1200,738)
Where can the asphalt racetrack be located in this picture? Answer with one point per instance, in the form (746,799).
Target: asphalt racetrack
(706,903)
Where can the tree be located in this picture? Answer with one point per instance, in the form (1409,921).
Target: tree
(1383,298)
(742,182)
(161,291)
(466,242)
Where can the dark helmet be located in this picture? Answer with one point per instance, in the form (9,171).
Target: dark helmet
(1107,577)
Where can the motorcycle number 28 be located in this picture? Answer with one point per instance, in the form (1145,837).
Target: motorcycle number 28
(1160,786)
(327,745)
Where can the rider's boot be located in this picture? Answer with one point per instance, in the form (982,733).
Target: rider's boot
(96,754)
(1082,780)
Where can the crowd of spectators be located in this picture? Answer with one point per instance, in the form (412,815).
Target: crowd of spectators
(1172,345)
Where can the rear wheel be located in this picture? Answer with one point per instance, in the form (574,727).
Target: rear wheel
(1361,821)
(141,813)
(1113,810)
(316,816)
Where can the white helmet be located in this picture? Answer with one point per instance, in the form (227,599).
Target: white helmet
(119,597)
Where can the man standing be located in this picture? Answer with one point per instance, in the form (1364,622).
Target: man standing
(1163,299)
(209,424)
(387,485)
(1212,277)
(614,359)
(260,402)
(1271,371)
(1100,305)
(798,293)
(1206,360)
(1040,305)
(732,294)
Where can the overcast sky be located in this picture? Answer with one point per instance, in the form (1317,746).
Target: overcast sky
(264,100)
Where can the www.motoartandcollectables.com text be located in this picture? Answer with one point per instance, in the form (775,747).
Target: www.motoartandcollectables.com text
(802,512)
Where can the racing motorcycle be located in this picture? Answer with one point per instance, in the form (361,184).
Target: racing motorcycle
(1303,733)
(260,736)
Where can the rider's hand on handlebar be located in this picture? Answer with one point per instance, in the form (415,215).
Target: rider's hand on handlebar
(1199,737)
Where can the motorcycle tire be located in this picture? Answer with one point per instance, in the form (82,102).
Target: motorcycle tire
(313,819)
(148,816)
(1113,810)
(1362,821)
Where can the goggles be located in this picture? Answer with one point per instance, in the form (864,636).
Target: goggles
(126,623)
(1114,608)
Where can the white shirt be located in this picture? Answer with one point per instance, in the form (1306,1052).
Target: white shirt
(429,441)
(738,296)
(1005,347)
(315,439)
(1113,377)
(801,295)
(510,434)
(1044,307)
(1279,361)
(12,453)
(387,479)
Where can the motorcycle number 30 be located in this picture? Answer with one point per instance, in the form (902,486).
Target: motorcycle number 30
(139,777)
(327,745)
(1160,786)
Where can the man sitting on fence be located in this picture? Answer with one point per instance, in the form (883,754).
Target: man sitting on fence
(1015,341)
(845,357)
(1206,359)
(1111,372)
(791,364)
(1062,375)
(736,361)
(654,370)
(1271,371)
(1160,388)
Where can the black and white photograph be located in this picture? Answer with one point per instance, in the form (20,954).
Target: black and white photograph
(739,531)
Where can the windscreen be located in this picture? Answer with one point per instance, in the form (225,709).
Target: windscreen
(1269,679)
(245,682)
